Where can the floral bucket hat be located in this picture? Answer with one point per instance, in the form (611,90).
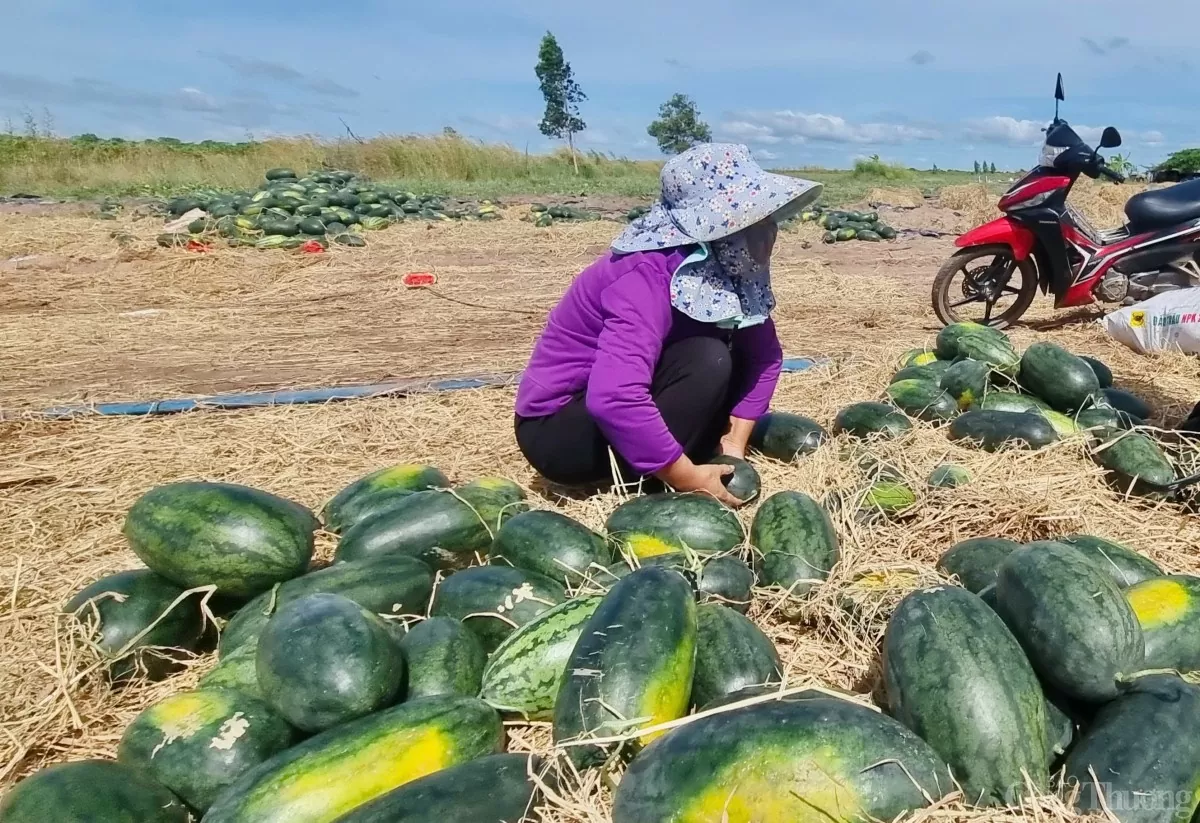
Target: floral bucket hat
(710,192)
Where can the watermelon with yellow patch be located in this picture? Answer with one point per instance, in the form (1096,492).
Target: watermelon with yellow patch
(819,759)
(656,524)
(348,766)
(1168,610)
(917,357)
(372,492)
(197,743)
(632,665)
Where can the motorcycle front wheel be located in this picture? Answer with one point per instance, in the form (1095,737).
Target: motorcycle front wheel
(978,284)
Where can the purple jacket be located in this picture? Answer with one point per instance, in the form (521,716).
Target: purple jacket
(605,337)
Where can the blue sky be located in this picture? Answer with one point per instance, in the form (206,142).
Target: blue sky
(931,82)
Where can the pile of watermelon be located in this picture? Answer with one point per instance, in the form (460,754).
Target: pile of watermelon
(543,216)
(841,226)
(288,211)
(377,688)
(995,398)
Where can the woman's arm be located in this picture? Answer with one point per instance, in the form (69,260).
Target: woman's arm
(760,357)
(737,440)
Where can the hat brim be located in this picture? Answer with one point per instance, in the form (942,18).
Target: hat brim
(789,195)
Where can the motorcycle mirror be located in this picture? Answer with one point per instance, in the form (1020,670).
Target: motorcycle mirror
(1110,138)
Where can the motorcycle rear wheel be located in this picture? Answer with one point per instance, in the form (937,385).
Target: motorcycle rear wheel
(979,284)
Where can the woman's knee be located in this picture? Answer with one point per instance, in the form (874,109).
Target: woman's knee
(708,358)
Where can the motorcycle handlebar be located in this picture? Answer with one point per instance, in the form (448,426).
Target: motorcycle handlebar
(1116,177)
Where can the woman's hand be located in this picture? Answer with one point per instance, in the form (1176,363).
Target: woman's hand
(735,441)
(685,476)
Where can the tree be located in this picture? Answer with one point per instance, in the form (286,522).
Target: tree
(563,96)
(679,126)
(977,167)
(992,169)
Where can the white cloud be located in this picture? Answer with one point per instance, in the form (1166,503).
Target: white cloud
(763,154)
(1013,132)
(773,127)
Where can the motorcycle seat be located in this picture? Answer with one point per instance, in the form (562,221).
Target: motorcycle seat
(1162,208)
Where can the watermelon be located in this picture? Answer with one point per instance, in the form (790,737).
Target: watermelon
(683,562)
(1124,401)
(1010,402)
(728,581)
(947,345)
(744,483)
(1123,564)
(956,676)
(350,505)
(1102,419)
(323,660)
(280,174)
(998,354)
(197,743)
(996,430)
(731,654)
(498,788)
(239,539)
(349,239)
(1142,750)
(797,546)
(918,357)
(888,497)
(494,601)
(966,381)
(1055,375)
(632,665)
(91,791)
(923,399)
(791,760)
(524,674)
(932,372)
(1135,463)
(384,585)
(550,544)
(949,476)
(1060,731)
(1168,611)
(236,670)
(1104,375)
(443,657)
(975,562)
(350,765)
(784,436)
(1077,629)
(120,607)
(871,419)
(442,528)
(661,523)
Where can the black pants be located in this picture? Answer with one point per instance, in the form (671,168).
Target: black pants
(691,388)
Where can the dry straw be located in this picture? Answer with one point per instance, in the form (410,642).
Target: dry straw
(234,318)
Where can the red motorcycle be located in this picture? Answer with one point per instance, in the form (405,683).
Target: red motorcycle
(1043,242)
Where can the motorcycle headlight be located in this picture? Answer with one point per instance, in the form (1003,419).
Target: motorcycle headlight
(1049,155)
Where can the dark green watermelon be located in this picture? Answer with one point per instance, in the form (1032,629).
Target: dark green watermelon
(1123,564)
(784,436)
(443,657)
(499,788)
(493,601)
(1168,611)
(795,540)
(120,607)
(1126,401)
(1060,378)
(241,540)
(91,791)
(731,654)
(974,562)
(323,660)
(1073,621)
(956,676)
(1142,750)
(871,419)
(384,585)
(661,523)
(199,742)
(362,497)
(550,544)
(442,528)
(744,483)
(728,581)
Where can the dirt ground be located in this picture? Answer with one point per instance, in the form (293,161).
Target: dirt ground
(96,312)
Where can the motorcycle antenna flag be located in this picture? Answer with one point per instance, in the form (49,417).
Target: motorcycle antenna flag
(1059,95)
